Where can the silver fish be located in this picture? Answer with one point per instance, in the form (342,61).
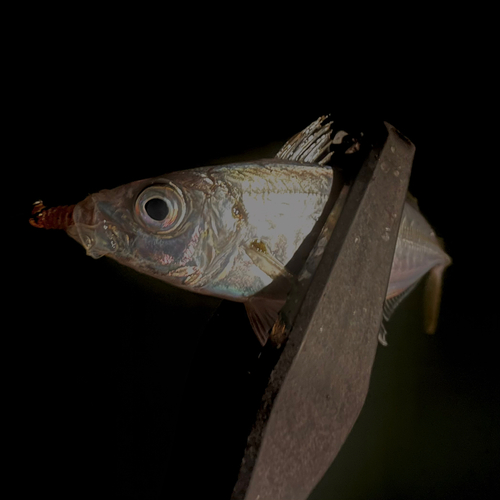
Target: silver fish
(230,231)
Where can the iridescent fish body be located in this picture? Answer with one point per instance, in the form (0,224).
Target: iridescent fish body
(230,231)
(227,231)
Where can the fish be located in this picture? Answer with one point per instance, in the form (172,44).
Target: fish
(236,230)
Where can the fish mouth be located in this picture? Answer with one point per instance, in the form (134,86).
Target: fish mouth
(98,227)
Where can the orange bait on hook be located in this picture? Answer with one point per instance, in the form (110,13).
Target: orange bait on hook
(52,218)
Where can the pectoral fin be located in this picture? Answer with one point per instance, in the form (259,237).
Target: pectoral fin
(262,258)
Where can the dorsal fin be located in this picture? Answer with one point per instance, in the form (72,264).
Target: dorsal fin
(311,145)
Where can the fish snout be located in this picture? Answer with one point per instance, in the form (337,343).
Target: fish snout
(96,226)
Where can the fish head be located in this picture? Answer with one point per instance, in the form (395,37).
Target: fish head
(180,228)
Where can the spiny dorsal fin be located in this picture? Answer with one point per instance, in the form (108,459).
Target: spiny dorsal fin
(311,145)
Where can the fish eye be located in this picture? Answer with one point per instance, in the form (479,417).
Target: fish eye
(161,208)
(156,208)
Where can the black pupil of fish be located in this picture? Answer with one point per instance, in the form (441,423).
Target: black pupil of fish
(156,208)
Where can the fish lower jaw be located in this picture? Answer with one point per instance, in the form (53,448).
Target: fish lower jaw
(99,240)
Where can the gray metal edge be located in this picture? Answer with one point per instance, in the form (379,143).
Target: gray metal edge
(320,382)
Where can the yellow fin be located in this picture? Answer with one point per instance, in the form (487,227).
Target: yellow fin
(432,298)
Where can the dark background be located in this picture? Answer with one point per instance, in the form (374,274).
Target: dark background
(118,389)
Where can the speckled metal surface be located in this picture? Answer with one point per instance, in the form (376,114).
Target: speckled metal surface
(320,382)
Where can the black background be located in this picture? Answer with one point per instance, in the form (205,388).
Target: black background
(117,390)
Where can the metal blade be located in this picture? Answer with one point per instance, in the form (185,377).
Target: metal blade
(320,381)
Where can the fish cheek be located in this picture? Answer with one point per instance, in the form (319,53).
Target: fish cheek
(156,255)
